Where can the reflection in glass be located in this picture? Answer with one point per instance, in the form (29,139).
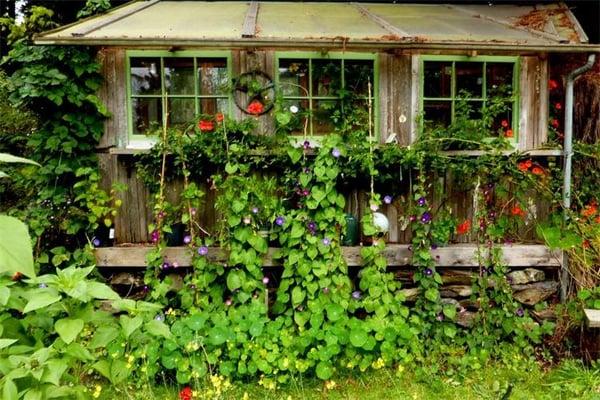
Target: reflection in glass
(147,114)
(499,78)
(469,78)
(322,112)
(326,77)
(181,112)
(438,79)
(437,113)
(213,77)
(357,75)
(145,76)
(179,75)
(293,77)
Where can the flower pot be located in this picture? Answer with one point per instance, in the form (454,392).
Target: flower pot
(175,237)
(104,236)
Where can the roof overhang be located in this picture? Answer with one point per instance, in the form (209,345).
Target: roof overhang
(155,23)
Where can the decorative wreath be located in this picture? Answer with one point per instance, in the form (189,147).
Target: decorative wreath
(254,92)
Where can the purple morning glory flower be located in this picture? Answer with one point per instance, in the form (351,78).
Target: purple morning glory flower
(387,199)
(305,192)
(96,242)
(155,235)
(335,152)
(42,286)
(279,221)
(146,288)
(166,265)
(520,312)
(192,286)
(440,317)
(161,215)
(356,295)
(306,145)
(326,241)
(202,250)
(426,217)
(428,272)
(193,211)
(159,317)
(187,239)
(306,170)
(311,226)
(412,218)
(265,280)
(254,210)
(175,264)
(228,302)
(422,201)
(325,290)
(434,246)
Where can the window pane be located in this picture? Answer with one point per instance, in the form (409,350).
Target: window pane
(213,106)
(438,79)
(298,109)
(502,125)
(322,111)
(145,76)
(499,79)
(437,113)
(147,114)
(179,75)
(326,77)
(357,75)
(293,77)
(212,76)
(181,112)
(469,78)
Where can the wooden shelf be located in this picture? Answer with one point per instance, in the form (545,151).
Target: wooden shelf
(531,153)
(459,255)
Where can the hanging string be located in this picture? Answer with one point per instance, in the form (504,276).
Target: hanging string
(370,103)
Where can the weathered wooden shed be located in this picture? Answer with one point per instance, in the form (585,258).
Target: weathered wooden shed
(417,55)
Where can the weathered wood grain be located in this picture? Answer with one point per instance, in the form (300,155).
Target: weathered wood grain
(395,91)
(533,110)
(592,318)
(396,255)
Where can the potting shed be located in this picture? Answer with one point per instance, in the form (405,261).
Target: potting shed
(418,57)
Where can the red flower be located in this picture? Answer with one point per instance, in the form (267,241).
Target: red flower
(508,133)
(524,165)
(537,170)
(185,393)
(586,244)
(589,210)
(256,107)
(219,117)
(504,123)
(552,84)
(555,123)
(206,126)
(558,106)
(597,219)
(463,227)
(517,211)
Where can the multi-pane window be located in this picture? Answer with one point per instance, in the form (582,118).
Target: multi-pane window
(446,81)
(187,86)
(317,88)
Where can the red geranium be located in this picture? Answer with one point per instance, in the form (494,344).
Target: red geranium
(256,107)
(504,123)
(186,393)
(219,117)
(589,210)
(555,123)
(463,227)
(509,133)
(206,126)
(517,211)
(558,106)
(552,84)
(524,165)
(537,170)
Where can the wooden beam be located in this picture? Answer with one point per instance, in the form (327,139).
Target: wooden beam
(394,30)
(249,27)
(119,16)
(463,255)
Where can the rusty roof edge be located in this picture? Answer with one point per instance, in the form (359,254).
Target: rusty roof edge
(507,24)
(583,37)
(328,44)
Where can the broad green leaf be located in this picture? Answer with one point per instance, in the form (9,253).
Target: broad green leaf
(334,312)
(158,328)
(15,247)
(68,328)
(99,290)
(54,370)
(9,158)
(4,295)
(324,370)
(129,324)
(358,337)
(9,391)
(43,298)
(103,336)
(298,295)
(103,367)
(234,280)
(6,342)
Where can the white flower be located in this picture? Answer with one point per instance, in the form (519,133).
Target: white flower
(294,109)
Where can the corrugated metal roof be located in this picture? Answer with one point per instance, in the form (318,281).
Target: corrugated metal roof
(296,23)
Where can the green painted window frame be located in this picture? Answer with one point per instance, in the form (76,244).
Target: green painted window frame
(515,60)
(222,54)
(310,55)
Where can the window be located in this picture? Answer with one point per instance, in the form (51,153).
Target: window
(448,80)
(319,86)
(189,85)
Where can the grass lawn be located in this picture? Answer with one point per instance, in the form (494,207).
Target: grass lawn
(570,380)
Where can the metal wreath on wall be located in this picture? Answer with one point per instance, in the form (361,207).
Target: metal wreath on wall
(254,92)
